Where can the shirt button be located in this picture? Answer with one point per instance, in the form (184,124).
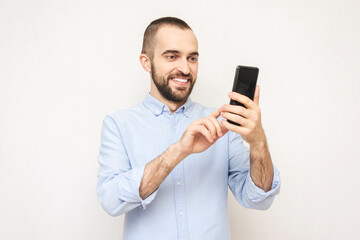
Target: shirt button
(179,183)
(181,213)
(175,126)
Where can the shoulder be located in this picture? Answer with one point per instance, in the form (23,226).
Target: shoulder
(123,116)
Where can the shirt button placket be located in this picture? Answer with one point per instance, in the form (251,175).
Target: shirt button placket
(179,190)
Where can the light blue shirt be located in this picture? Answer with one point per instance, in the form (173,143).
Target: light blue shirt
(191,203)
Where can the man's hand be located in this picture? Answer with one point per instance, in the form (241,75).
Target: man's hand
(201,134)
(198,137)
(251,130)
(249,118)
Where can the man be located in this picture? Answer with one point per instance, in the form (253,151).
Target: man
(167,162)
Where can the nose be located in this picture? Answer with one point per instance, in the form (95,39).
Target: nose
(184,66)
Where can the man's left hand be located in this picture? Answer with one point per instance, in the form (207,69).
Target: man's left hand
(261,168)
(249,118)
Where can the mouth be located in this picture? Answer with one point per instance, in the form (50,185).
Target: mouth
(180,81)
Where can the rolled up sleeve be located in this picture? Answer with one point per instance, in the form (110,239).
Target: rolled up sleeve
(240,182)
(118,183)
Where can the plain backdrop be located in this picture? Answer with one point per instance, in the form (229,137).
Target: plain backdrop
(66,64)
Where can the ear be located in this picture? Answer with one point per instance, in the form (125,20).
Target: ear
(145,62)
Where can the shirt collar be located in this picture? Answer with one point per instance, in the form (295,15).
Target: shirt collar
(157,107)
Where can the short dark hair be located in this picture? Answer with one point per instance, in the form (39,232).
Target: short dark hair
(151,30)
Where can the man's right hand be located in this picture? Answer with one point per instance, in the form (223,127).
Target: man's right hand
(201,134)
(198,137)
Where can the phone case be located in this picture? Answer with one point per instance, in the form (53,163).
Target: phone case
(244,83)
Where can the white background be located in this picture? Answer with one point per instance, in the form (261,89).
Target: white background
(65,64)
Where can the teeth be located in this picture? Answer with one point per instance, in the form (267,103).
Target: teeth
(180,80)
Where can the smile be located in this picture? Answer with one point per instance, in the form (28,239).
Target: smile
(180,80)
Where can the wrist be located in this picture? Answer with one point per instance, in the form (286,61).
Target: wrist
(178,151)
(260,144)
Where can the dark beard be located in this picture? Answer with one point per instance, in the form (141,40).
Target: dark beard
(162,85)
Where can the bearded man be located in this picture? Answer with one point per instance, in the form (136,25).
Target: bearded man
(167,163)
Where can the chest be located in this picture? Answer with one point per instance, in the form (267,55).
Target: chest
(145,140)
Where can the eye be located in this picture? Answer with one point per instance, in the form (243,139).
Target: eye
(193,59)
(171,57)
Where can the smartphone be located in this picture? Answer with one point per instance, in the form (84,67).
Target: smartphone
(244,83)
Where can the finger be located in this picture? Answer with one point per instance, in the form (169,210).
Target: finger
(240,110)
(204,131)
(242,99)
(217,126)
(224,130)
(232,127)
(235,118)
(210,126)
(257,95)
(216,113)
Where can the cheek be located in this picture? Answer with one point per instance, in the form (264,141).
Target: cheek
(194,69)
(166,68)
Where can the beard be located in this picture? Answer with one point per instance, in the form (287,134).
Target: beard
(181,94)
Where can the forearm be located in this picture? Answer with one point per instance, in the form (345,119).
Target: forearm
(261,167)
(158,169)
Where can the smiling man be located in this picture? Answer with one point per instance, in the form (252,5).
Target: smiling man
(167,163)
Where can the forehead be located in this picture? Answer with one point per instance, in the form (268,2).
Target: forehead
(173,38)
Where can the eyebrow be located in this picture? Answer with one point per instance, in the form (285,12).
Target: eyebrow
(177,52)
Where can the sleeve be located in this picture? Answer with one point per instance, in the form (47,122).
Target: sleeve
(240,182)
(118,183)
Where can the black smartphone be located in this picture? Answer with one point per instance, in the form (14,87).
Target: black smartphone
(244,83)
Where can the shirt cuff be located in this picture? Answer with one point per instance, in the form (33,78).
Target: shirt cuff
(129,185)
(256,194)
